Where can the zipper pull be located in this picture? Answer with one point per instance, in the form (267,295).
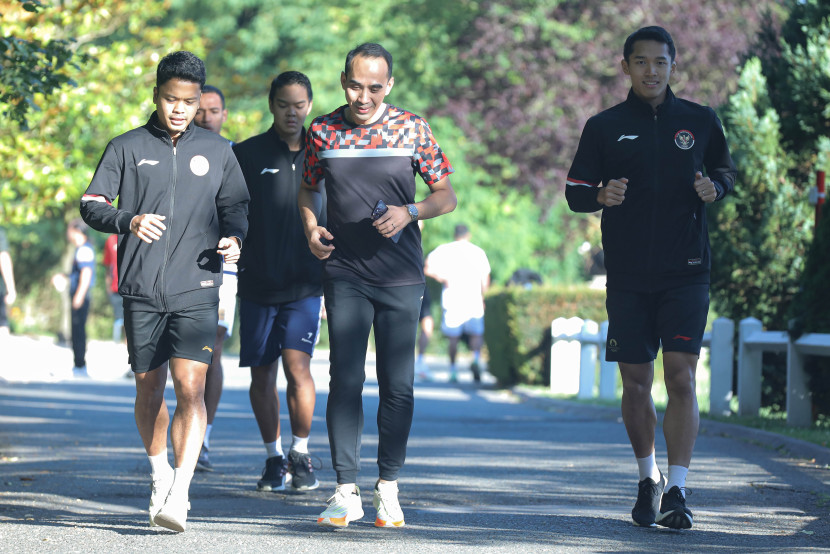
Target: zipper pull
(293,168)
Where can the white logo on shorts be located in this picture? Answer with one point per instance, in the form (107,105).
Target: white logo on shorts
(199,165)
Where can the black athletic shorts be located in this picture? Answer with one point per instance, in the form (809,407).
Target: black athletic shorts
(639,322)
(155,337)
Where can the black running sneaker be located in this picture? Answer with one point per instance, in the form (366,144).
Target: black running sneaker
(648,501)
(273,476)
(302,471)
(203,463)
(476,369)
(673,510)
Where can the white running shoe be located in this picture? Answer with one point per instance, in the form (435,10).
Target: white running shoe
(173,515)
(344,507)
(386,503)
(158,493)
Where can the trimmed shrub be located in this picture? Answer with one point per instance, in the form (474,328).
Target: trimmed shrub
(517,327)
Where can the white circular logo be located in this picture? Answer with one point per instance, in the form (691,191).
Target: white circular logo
(199,165)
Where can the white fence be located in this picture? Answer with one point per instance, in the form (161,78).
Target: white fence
(580,343)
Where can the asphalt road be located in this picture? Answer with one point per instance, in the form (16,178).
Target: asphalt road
(487,471)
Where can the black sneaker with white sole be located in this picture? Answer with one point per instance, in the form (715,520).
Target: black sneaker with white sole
(673,511)
(302,471)
(203,463)
(273,476)
(645,509)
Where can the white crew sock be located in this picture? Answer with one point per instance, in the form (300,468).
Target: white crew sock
(274,448)
(299,444)
(206,442)
(159,466)
(181,482)
(648,468)
(677,478)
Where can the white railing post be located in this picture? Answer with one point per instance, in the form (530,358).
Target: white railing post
(721,357)
(799,399)
(749,369)
(607,370)
(564,355)
(588,358)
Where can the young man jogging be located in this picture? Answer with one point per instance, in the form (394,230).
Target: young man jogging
(211,115)
(280,285)
(182,207)
(369,151)
(642,163)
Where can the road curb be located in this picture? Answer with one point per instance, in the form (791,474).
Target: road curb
(789,447)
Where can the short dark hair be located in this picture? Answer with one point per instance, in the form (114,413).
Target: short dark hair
(214,90)
(654,33)
(290,78)
(79,225)
(370,50)
(461,230)
(182,65)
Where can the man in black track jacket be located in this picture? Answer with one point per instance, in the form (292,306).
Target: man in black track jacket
(280,286)
(660,161)
(182,207)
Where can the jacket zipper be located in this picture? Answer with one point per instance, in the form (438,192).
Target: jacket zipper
(169,230)
(652,263)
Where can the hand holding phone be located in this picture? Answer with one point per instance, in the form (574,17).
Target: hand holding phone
(378,211)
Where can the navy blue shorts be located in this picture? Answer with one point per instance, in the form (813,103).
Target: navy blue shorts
(640,322)
(155,337)
(266,330)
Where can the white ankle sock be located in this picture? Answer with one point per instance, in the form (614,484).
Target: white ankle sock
(387,485)
(206,442)
(299,444)
(181,481)
(159,466)
(346,488)
(274,448)
(677,478)
(648,468)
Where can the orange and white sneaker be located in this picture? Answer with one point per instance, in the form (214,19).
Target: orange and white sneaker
(386,503)
(344,506)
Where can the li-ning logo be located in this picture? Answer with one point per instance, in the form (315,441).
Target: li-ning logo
(684,139)
(681,337)
(208,348)
(268,170)
(627,137)
(148,162)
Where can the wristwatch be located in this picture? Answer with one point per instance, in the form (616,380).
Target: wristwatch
(413,212)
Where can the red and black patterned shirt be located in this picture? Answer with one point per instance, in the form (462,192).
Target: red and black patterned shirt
(359,165)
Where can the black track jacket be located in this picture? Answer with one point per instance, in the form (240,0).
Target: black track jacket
(276,265)
(197,186)
(658,237)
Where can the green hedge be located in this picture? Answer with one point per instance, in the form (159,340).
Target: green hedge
(517,327)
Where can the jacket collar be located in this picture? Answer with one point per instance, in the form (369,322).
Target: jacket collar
(273,135)
(638,105)
(156,129)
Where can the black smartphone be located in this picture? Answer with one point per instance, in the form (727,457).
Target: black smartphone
(380,209)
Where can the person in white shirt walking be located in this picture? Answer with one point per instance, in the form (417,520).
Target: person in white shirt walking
(463,270)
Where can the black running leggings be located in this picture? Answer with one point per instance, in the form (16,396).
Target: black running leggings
(352,309)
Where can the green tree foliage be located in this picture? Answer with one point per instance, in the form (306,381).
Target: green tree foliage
(533,71)
(755,273)
(46,167)
(797,65)
(31,62)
